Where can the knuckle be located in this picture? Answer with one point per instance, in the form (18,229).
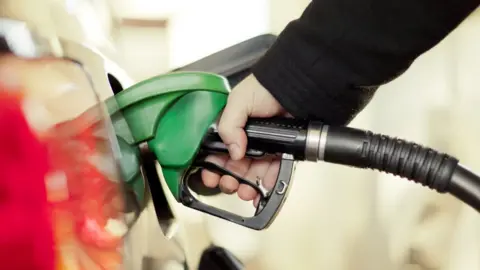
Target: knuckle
(223,129)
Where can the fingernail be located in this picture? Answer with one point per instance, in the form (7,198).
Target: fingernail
(234,150)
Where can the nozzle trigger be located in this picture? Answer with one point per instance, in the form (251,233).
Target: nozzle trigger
(270,201)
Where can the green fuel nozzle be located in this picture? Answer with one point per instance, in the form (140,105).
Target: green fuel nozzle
(173,117)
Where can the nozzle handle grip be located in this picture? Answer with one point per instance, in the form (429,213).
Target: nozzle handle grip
(266,136)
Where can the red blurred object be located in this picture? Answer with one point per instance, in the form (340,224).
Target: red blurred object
(83,197)
(55,202)
(90,192)
(26,239)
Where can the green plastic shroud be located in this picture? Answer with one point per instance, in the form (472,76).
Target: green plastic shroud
(171,114)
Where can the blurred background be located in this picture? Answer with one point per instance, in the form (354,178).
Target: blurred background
(336,218)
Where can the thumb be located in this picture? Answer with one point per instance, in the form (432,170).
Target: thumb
(231,124)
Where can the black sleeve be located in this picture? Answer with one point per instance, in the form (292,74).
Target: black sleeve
(329,63)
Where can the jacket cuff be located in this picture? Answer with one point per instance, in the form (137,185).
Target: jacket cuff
(316,88)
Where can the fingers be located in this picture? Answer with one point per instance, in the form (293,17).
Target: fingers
(230,127)
(266,170)
(228,184)
(211,179)
(258,169)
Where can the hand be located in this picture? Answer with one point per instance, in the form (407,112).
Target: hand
(248,99)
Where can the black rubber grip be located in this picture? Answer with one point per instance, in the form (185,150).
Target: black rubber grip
(268,135)
(364,149)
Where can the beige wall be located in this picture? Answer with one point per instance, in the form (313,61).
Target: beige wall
(143,51)
(201,28)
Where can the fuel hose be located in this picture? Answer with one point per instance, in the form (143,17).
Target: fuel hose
(314,141)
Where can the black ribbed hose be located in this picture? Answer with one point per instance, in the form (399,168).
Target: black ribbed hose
(423,165)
